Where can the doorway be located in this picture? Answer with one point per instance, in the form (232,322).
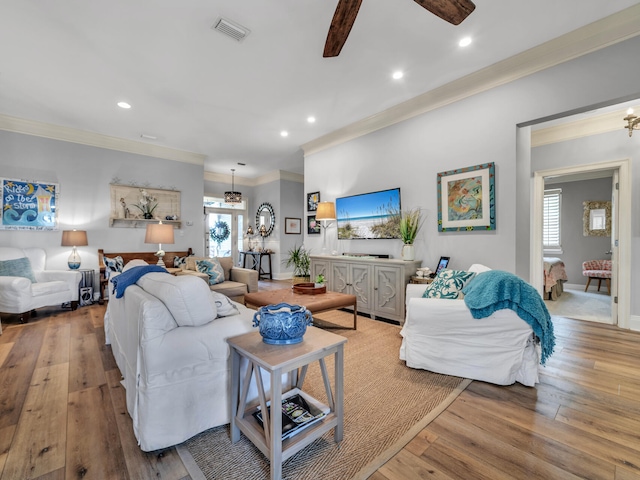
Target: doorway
(621,233)
(223,232)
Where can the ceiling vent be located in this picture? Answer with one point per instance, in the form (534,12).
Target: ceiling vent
(231,29)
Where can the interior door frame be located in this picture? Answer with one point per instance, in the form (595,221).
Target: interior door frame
(621,254)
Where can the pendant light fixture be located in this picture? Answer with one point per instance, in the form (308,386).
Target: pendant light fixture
(232,196)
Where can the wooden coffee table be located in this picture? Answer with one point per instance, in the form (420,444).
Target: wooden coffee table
(322,302)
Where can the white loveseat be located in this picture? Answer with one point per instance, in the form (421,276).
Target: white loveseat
(442,336)
(169,340)
(18,294)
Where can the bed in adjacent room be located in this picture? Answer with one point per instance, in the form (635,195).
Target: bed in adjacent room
(554,277)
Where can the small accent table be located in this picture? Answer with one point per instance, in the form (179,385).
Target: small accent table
(416,279)
(256,263)
(278,360)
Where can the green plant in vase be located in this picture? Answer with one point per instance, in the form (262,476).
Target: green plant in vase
(319,280)
(410,224)
(300,260)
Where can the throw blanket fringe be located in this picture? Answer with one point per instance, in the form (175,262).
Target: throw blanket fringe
(496,290)
(131,276)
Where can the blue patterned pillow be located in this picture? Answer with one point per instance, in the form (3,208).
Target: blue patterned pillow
(18,267)
(448,284)
(180,262)
(212,268)
(115,264)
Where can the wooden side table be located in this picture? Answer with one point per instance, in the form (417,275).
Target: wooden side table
(256,263)
(278,360)
(416,279)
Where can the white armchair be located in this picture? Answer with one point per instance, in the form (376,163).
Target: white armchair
(442,336)
(18,294)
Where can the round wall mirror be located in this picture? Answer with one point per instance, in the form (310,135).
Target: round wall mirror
(265,216)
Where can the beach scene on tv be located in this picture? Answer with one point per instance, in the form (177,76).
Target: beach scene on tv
(369,215)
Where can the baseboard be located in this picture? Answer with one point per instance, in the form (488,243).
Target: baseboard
(634,322)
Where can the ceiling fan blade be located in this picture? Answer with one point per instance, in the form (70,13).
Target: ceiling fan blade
(452,11)
(343,19)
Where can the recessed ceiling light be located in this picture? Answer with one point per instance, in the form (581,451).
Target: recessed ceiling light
(397,75)
(311,119)
(124,105)
(284,133)
(465,42)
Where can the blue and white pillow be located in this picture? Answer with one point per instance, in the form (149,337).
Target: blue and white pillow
(212,268)
(115,264)
(448,284)
(224,306)
(180,262)
(18,267)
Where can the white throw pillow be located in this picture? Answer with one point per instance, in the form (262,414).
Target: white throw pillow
(188,298)
(478,268)
(134,263)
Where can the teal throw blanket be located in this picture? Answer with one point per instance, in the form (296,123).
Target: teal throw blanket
(497,290)
(131,276)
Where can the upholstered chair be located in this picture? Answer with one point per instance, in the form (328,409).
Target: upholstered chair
(598,270)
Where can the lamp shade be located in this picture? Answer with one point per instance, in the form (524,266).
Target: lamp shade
(159,233)
(326,211)
(74,238)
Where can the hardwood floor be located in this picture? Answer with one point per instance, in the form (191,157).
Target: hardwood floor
(63,412)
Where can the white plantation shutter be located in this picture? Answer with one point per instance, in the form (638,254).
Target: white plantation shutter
(551,230)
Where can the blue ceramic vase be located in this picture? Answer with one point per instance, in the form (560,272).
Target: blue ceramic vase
(282,324)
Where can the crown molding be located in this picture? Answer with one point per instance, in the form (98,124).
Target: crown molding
(595,36)
(604,123)
(82,137)
(252,182)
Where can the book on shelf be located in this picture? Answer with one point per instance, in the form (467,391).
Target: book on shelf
(298,413)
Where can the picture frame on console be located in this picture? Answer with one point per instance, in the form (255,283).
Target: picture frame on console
(292,226)
(313,225)
(313,199)
(466,199)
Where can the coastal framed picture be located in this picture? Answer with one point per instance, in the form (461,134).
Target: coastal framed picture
(28,205)
(292,226)
(312,201)
(313,225)
(466,199)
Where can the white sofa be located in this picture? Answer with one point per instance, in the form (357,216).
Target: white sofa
(169,342)
(20,295)
(441,335)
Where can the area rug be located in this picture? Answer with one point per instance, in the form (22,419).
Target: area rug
(386,404)
(580,305)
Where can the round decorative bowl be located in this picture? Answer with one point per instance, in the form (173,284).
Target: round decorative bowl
(282,324)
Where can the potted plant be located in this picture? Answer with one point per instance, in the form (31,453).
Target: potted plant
(299,259)
(410,224)
(319,281)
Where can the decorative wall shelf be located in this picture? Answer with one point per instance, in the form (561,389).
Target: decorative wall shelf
(125,202)
(140,222)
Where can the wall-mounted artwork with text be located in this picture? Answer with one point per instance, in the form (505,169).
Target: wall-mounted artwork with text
(29,205)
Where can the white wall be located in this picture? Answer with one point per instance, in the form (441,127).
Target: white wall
(84,174)
(479,129)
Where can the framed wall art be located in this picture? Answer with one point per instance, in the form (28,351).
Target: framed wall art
(293,226)
(312,201)
(466,199)
(313,226)
(29,205)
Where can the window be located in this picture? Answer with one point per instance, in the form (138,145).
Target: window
(551,238)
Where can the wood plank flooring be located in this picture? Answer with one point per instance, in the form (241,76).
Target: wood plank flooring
(63,413)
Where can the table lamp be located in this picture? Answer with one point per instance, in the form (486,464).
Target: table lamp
(74,238)
(159,233)
(326,214)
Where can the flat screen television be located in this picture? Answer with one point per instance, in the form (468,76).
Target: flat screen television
(369,215)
